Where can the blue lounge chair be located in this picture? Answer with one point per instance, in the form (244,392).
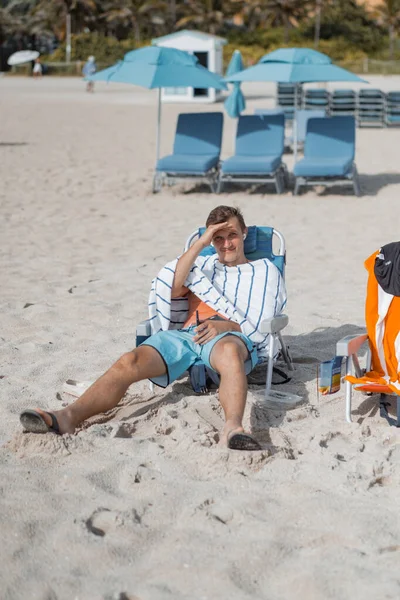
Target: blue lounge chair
(329,152)
(258,244)
(196,151)
(258,155)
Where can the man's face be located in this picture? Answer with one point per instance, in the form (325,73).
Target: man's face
(228,243)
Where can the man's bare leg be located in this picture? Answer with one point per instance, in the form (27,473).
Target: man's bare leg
(105,393)
(227,358)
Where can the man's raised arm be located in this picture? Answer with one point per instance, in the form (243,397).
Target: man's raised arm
(187,259)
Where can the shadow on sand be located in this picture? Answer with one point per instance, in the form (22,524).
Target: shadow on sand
(4,144)
(370,186)
(307,351)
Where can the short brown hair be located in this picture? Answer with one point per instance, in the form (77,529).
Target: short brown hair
(224,213)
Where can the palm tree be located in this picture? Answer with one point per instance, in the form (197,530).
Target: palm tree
(52,15)
(15,18)
(318,7)
(286,14)
(141,16)
(255,13)
(388,13)
(208,15)
(7,23)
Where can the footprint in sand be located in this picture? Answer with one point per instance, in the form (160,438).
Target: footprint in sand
(220,511)
(378,477)
(121,596)
(103,521)
(146,473)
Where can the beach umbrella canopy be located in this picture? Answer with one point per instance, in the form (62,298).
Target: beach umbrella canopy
(295,65)
(21,57)
(235,103)
(294,73)
(158,67)
(297,55)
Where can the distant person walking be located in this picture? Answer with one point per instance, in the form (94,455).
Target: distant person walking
(37,69)
(89,68)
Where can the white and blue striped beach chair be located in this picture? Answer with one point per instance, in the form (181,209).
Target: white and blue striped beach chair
(258,244)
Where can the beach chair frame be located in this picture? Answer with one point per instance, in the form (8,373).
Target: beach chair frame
(352,179)
(166,178)
(279,177)
(348,347)
(170,178)
(273,326)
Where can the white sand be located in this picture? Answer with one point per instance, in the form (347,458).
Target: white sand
(315,515)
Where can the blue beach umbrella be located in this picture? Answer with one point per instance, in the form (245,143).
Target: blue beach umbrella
(235,102)
(295,65)
(158,67)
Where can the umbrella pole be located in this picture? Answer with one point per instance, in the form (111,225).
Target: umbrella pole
(295,122)
(158,125)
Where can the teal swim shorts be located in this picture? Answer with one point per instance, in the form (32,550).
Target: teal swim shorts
(179,352)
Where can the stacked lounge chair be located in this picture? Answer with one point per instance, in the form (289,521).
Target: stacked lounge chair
(343,102)
(316,99)
(393,108)
(285,98)
(371,107)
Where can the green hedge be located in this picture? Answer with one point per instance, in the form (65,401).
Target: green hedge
(107,50)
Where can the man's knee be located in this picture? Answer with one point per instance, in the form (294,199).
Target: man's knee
(229,352)
(127,363)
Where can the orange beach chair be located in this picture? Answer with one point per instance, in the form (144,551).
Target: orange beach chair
(382,372)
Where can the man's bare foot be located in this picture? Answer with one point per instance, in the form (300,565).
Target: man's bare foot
(40,421)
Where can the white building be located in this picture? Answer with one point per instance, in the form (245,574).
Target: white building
(208,49)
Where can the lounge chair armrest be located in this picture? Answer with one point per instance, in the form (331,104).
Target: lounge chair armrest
(350,344)
(274,324)
(143,328)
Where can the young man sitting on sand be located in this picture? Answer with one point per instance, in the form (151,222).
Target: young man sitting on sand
(228,295)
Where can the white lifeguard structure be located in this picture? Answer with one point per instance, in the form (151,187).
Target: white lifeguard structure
(209,51)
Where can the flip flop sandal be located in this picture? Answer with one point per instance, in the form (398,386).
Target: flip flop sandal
(280,373)
(33,422)
(243,441)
